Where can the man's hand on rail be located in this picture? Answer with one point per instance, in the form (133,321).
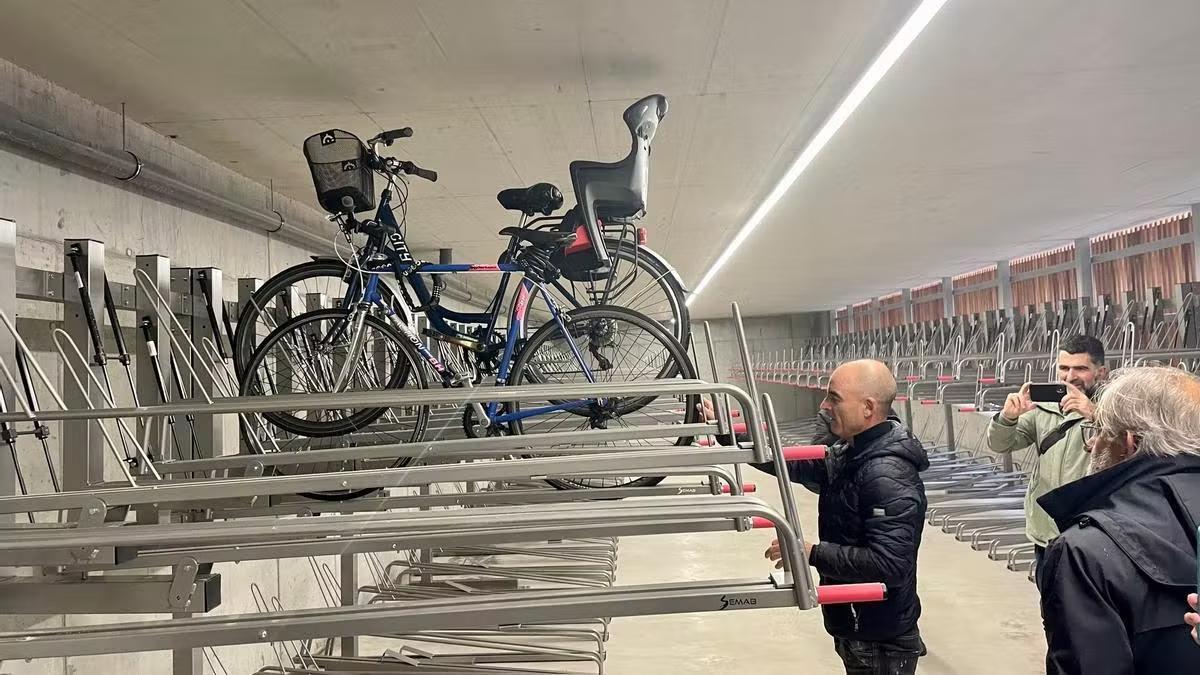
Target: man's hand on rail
(1018,404)
(774,553)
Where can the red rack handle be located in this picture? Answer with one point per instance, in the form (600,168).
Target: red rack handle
(840,594)
(902,399)
(966,408)
(760,523)
(704,442)
(929,401)
(945,378)
(735,413)
(987,380)
(912,378)
(747,488)
(796,453)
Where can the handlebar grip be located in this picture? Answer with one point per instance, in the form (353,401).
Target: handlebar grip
(389,136)
(427,174)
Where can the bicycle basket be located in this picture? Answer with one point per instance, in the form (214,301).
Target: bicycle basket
(339,166)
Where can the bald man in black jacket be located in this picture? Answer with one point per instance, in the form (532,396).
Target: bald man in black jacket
(870,516)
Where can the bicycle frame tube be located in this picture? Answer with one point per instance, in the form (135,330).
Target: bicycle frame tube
(519,312)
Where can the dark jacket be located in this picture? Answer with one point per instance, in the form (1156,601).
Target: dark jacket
(1115,582)
(870,516)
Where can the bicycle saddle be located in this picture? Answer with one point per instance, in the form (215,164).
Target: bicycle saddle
(551,239)
(541,198)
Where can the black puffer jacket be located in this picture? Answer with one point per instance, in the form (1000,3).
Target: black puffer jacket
(870,516)
(1115,582)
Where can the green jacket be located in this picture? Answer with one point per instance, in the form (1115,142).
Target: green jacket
(1065,461)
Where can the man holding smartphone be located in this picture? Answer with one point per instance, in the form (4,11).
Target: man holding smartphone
(1053,429)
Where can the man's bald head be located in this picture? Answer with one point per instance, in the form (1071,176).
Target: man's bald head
(860,396)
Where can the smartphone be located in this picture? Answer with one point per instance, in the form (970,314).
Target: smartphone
(1047,392)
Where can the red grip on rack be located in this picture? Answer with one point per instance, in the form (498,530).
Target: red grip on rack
(987,380)
(760,523)
(902,399)
(735,413)
(945,378)
(929,401)
(746,488)
(800,452)
(704,442)
(966,408)
(840,594)
(912,378)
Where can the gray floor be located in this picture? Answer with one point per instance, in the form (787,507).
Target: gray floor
(978,617)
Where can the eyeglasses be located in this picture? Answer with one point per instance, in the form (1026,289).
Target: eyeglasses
(1091,431)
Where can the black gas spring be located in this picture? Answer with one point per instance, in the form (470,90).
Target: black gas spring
(40,431)
(159,382)
(9,436)
(206,291)
(98,355)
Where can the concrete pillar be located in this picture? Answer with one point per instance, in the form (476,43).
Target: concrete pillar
(947,297)
(1003,284)
(1195,242)
(1083,266)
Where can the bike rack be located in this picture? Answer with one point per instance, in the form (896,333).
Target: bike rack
(462,529)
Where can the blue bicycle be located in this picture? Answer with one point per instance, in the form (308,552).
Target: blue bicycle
(367,342)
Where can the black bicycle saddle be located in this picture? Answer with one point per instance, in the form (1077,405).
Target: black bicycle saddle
(541,198)
(550,239)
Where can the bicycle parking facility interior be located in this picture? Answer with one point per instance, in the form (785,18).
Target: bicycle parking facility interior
(424,336)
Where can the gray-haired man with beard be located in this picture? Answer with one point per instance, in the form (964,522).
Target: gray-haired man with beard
(1115,582)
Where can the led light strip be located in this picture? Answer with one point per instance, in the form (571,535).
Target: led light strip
(886,59)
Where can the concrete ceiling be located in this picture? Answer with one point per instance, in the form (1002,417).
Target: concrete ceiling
(1008,127)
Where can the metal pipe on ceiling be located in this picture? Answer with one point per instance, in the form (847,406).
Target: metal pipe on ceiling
(123,165)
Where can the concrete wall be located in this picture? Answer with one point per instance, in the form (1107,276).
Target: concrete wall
(769,334)
(51,202)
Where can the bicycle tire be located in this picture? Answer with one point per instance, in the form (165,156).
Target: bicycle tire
(650,264)
(677,353)
(249,384)
(665,275)
(245,335)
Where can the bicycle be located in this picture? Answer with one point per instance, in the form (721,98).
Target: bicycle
(364,344)
(609,265)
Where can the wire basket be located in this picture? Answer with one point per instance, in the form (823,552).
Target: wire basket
(340,169)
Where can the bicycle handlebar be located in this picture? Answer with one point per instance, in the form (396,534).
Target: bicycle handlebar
(388,136)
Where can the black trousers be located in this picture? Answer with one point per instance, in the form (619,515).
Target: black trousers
(897,656)
(1039,554)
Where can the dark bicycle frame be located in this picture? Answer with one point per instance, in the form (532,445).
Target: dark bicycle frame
(401,263)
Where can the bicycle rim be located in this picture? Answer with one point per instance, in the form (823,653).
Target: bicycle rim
(636,349)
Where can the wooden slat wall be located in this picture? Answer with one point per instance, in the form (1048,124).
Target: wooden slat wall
(1163,268)
(843,321)
(1046,288)
(927,302)
(976,301)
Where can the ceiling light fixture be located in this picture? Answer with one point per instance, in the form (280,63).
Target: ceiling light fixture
(916,23)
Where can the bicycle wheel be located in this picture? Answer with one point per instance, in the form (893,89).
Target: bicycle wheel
(642,281)
(617,345)
(306,354)
(275,302)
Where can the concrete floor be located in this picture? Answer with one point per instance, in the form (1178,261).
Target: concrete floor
(978,618)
